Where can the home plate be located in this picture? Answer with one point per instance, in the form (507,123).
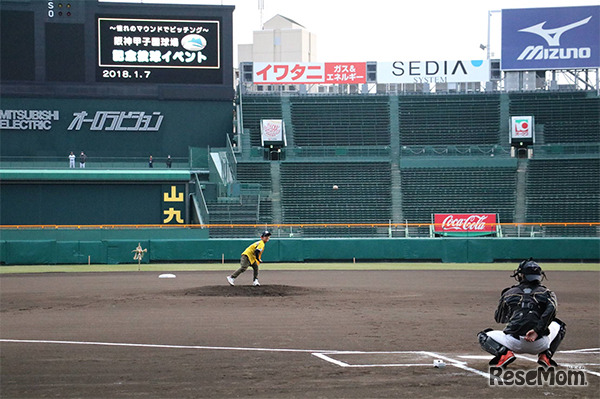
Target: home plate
(167,275)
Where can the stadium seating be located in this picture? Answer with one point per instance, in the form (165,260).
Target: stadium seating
(441,162)
(426,191)
(449,119)
(571,117)
(564,190)
(363,194)
(255,172)
(265,214)
(255,108)
(250,206)
(583,131)
(340,121)
(236,210)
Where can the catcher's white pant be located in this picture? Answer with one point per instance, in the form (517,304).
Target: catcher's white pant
(522,346)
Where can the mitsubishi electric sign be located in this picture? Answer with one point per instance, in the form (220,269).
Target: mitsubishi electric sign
(551,38)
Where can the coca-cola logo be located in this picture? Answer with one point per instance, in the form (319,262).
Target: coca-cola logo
(465,222)
(473,222)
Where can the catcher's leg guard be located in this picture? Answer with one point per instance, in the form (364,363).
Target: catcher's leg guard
(562,331)
(491,346)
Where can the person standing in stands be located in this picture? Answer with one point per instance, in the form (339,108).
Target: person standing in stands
(150,162)
(82,159)
(71,160)
(169,161)
(251,257)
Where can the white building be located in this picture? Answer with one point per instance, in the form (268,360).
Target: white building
(280,40)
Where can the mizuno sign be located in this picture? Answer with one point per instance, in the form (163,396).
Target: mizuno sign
(551,38)
(541,53)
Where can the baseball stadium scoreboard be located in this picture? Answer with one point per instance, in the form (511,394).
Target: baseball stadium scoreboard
(120,82)
(158,50)
(89,42)
(114,79)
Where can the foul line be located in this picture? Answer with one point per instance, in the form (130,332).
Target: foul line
(581,350)
(451,362)
(322,354)
(460,365)
(230,348)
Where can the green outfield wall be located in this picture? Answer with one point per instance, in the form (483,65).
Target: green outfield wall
(35,128)
(163,200)
(107,246)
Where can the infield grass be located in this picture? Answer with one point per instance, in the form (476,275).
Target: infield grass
(172,267)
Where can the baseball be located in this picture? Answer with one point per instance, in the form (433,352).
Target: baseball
(335,187)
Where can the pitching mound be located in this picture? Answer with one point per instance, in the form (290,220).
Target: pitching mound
(247,291)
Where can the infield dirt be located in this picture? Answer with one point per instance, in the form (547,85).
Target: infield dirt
(320,311)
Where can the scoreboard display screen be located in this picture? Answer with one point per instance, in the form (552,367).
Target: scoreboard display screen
(17,45)
(150,50)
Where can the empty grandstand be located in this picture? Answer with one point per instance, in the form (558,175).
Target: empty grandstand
(341,121)
(436,153)
(561,190)
(336,192)
(255,108)
(450,119)
(570,117)
(426,191)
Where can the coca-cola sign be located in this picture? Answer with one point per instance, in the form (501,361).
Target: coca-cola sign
(474,223)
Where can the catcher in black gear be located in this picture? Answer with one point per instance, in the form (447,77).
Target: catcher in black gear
(529,311)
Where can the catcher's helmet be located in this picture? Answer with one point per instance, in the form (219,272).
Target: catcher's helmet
(266,233)
(529,270)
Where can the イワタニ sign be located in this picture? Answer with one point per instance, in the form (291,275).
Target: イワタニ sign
(309,72)
(462,224)
(522,129)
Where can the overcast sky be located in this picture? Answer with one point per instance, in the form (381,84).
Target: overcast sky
(384,30)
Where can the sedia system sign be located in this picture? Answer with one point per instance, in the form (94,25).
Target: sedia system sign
(433,71)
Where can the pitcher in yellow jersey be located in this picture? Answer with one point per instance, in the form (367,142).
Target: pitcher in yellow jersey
(251,258)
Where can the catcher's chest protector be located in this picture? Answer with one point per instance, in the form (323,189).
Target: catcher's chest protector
(526,305)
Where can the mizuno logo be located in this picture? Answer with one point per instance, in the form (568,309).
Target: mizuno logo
(552,36)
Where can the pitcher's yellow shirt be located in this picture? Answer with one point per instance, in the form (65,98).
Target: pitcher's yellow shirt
(249,252)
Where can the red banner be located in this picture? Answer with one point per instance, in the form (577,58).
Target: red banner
(345,72)
(483,223)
